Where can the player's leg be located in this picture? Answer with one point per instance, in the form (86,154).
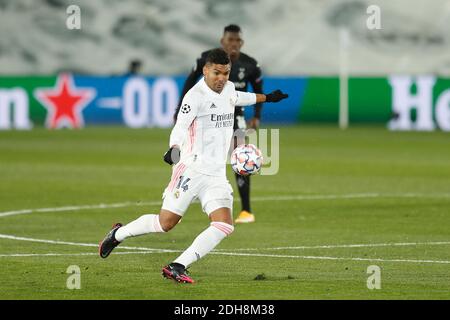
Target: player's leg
(217,202)
(177,198)
(220,227)
(242,182)
(147,223)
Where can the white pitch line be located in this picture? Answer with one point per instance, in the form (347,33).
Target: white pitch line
(143,250)
(362,245)
(329,258)
(20,255)
(79,244)
(76,208)
(366,245)
(276,198)
(70,254)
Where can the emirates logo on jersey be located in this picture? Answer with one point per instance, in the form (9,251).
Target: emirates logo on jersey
(223,120)
(185,108)
(223,116)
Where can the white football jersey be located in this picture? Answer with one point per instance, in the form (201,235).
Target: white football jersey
(204,126)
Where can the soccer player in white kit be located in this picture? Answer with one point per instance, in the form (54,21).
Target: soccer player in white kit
(199,145)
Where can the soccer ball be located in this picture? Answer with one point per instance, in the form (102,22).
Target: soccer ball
(246,159)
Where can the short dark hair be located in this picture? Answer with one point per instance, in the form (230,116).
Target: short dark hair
(218,56)
(232,28)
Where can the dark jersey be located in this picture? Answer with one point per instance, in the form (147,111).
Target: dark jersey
(244,71)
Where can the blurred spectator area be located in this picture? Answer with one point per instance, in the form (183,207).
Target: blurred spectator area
(289,37)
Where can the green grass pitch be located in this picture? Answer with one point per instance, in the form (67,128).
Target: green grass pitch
(342,201)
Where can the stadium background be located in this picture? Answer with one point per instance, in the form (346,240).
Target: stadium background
(341,201)
(327,39)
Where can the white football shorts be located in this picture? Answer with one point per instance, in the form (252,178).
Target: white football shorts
(187,184)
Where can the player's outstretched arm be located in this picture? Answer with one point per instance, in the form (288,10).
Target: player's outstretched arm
(274,96)
(247,98)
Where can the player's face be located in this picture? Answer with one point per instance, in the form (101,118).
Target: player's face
(216,76)
(232,43)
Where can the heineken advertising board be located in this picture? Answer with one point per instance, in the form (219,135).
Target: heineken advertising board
(400,102)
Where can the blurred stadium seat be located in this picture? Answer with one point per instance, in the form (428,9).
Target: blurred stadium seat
(292,38)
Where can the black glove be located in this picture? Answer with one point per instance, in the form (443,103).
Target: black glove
(276,96)
(172,156)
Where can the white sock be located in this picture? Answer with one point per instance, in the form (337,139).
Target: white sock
(205,242)
(144,224)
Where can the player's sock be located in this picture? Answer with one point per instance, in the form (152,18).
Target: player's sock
(144,224)
(205,242)
(243,183)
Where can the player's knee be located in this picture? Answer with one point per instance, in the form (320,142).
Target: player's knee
(226,228)
(168,225)
(168,220)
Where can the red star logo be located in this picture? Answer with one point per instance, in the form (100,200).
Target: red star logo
(64,103)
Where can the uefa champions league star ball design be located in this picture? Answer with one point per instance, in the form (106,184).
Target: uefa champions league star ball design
(246,159)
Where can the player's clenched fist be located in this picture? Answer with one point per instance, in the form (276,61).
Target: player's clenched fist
(276,96)
(172,156)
